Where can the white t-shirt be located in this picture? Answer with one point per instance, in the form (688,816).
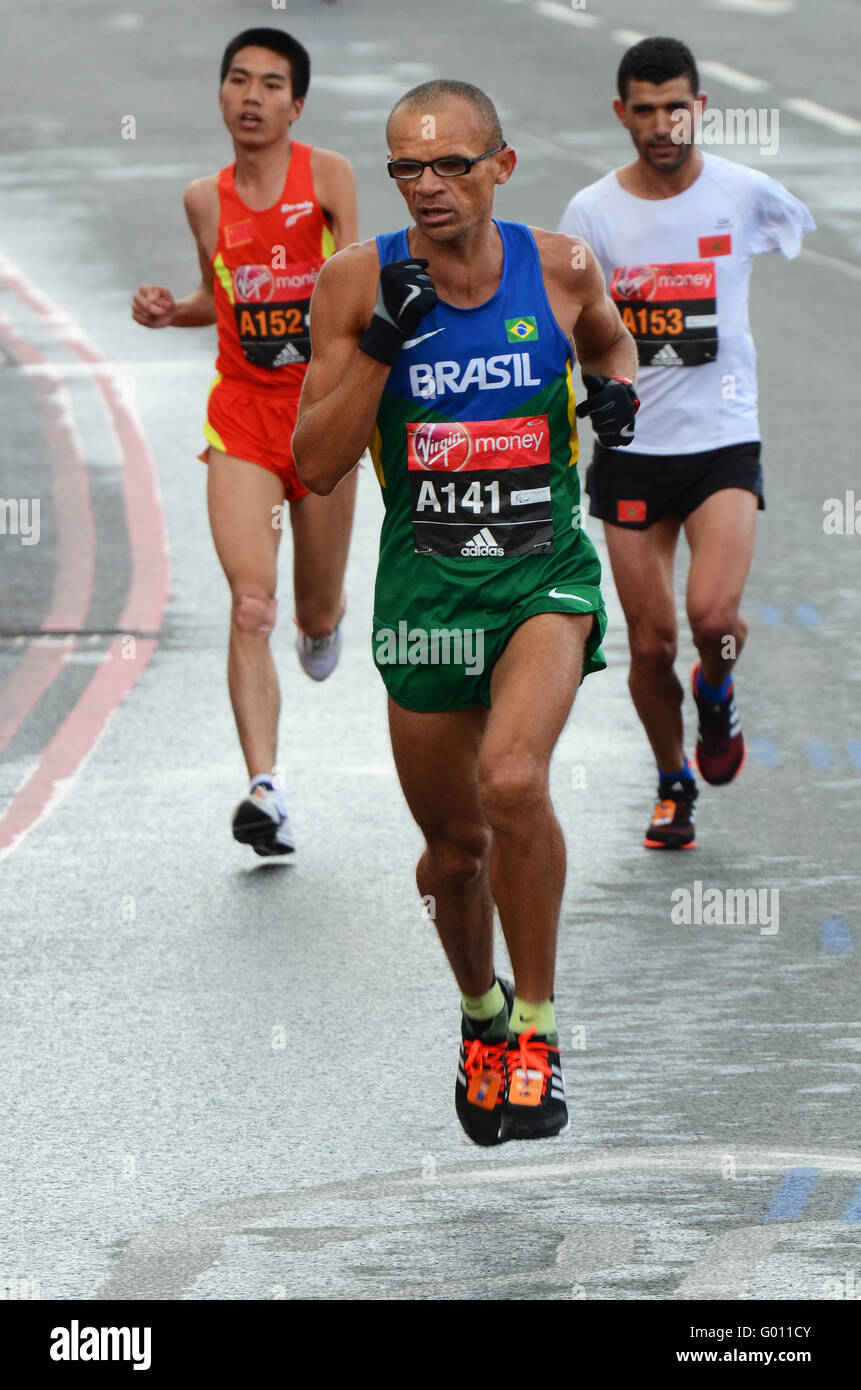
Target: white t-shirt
(679,269)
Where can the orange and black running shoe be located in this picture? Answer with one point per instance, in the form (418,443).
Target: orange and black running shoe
(480,1085)
(534,1105)
(720,748)
(672,823)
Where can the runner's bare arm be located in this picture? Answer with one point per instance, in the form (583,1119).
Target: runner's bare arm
(343,386)
(335,187)
(604,345)
(154,306)
(579,299)
(201,209)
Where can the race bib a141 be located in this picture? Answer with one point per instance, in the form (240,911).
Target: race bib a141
(670,311)
(481,488)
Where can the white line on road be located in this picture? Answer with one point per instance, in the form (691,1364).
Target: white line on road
(733,77)
(728,1265)
(577,17)
(772,8)
(115,369)
(834,263)
(165,1259)
(628,37)
(823,115)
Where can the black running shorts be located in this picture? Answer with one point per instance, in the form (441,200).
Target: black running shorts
(636,490)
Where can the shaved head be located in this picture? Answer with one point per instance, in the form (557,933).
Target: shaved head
(430,96)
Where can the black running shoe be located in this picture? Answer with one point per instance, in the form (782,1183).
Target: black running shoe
(672,823)
(720,748)
(534,1105)
(260,821)
(480,1084)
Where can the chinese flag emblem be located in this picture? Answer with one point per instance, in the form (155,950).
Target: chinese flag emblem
(715,245)
(631,511)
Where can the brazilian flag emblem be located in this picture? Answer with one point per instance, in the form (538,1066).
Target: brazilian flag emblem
(522,330)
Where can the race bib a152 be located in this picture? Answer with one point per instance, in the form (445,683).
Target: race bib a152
(271,309)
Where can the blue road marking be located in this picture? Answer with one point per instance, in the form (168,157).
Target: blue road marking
(836,934)
(817,753)
(788,1202)
(764,751)
(807,616)
(770,614)
(853,748)
(853,1211)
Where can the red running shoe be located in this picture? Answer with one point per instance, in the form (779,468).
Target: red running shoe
(720,751)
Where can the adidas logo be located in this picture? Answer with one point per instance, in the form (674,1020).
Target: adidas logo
(482,543)
(287,354)
(666,357)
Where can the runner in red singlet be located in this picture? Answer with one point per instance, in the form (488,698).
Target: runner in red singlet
(264,227)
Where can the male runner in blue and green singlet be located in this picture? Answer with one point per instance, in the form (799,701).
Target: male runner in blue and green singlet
(446,345)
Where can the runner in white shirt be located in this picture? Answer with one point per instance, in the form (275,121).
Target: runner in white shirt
(675,233)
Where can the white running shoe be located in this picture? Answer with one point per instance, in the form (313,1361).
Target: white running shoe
(318,656)
(261,821)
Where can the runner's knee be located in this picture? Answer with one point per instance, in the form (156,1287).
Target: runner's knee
(513,787)
(252,613)
(315,621)
(653,648)
(459,860)
(712,623)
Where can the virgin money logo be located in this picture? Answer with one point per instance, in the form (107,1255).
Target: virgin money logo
(253,283)
(635,282)
(440,446)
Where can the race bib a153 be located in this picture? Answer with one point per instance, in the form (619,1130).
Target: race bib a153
(670,311)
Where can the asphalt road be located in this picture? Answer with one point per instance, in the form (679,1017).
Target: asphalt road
(227,1079)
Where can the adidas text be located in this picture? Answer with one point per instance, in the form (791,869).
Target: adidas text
(483,543)
(666,357)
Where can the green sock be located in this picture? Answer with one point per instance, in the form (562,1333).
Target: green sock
(484,1006)
(540,1016)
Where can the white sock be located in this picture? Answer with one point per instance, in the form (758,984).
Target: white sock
(267,779)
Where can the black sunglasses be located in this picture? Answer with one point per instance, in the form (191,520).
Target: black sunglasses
(450,166)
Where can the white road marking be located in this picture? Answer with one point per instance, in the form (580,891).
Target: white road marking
(167,1258)
(577,17)
(834,263)
(116,369)
(730,1261)
(823,115)
(766,7)
(732,77)
(628,37)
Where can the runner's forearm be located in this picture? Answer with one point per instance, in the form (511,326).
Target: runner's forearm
(620,359)
(196,310)
(332,435)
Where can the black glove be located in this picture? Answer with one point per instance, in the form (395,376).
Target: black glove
(612,403)
(405,295)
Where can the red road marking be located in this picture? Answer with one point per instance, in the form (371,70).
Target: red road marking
(38,667)
(65,754)
(70,487)
(148,543)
